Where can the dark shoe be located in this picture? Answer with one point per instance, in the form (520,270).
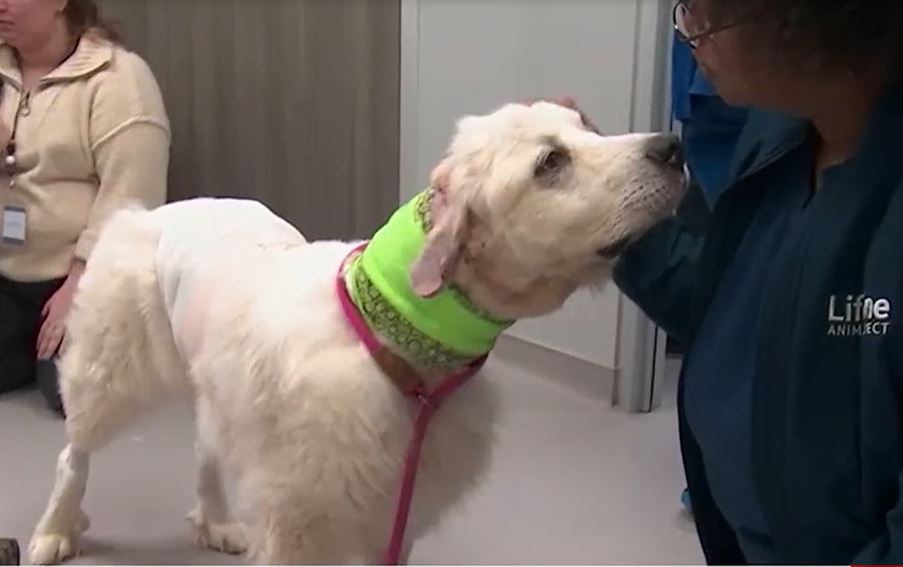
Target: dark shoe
(48,384)
(9,552)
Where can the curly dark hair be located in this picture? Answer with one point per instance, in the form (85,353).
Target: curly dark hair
(824,34)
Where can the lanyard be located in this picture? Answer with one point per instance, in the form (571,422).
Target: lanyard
(23,109)
(10,160)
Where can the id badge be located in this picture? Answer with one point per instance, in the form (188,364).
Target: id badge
(15,224)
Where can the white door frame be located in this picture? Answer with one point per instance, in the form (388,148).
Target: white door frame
(641,344)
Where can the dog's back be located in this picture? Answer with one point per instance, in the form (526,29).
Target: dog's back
(149,275)
(203,244)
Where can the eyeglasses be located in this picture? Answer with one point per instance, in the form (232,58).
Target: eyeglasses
(691,29)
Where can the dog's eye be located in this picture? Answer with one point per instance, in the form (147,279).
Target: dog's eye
(551,163)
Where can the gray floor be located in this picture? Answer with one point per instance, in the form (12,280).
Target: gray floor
(573,483)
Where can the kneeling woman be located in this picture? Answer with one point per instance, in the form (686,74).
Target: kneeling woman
(84,130)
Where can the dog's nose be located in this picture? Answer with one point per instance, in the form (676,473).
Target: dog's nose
(665,149)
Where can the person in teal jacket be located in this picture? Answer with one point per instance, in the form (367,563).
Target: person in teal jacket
(791,306)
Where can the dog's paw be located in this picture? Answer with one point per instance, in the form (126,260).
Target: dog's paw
(49,549)
(226,538)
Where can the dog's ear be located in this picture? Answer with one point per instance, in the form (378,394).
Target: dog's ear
(443,243)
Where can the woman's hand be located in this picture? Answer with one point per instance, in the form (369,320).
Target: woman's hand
(55,312)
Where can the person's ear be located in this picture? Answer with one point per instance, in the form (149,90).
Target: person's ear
(431,269)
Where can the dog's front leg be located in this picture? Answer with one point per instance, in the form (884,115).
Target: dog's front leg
(56,536)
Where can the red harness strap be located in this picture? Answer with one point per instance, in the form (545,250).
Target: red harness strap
(427,404)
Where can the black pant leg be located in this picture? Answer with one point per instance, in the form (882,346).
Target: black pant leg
(21,304)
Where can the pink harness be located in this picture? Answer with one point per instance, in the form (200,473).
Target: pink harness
(427,403)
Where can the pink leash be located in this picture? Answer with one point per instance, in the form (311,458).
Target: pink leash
(428,403)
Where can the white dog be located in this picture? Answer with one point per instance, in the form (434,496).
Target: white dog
(223,303)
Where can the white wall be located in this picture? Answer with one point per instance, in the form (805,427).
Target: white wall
(471,56)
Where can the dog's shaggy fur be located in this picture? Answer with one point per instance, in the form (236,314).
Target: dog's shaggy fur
(530,207)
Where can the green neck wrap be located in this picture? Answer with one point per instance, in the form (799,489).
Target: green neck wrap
(444,331)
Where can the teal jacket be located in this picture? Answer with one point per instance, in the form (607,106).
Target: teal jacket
(827,400)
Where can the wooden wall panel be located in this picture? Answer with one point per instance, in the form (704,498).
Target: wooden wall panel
(293,102)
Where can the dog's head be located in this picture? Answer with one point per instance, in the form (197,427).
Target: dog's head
(530,204)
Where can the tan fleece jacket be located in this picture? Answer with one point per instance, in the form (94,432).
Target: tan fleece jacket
(92,137)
